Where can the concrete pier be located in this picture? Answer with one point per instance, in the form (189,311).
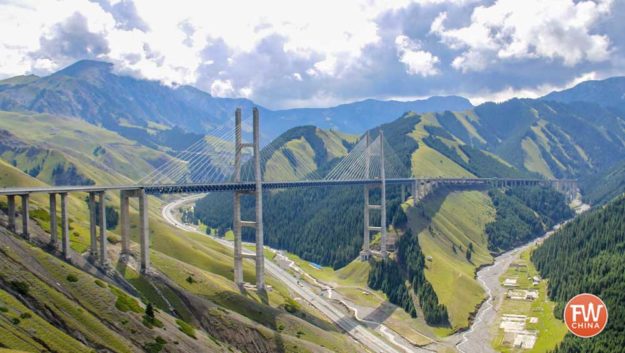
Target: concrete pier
(144,230)
(365,253)
(25,216)
(260,247)
(93,237)
(64,227)
(257,224)
(124,222)
(102,218)
(384,237)
(11,210)
(53,225)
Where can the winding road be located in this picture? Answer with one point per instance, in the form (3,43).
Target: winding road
(354,328)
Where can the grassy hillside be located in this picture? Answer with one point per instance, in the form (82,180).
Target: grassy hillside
(544,137)
(48,304)
(446,223)
(99,154)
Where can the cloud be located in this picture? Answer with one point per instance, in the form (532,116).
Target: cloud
(530,29)
(418,62)
(296,54)
(528,92)
(72,39)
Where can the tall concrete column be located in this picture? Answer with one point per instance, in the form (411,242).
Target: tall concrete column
(93,237)
(125,222)
(53,225)
(236,216)
(260,255)
(238,248)
(364,254)
(414,193)
(382,198)
(25,216)
(144,230)
(64,227)
(403,193)
(102,219)
(11,210)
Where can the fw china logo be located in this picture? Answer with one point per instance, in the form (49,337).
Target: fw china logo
(586,315)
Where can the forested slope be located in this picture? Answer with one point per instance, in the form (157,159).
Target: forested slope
(587,256)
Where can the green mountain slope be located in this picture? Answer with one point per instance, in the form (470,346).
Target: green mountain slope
(587,256)
(547,138)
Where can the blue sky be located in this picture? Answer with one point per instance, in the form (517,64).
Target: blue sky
(290,53)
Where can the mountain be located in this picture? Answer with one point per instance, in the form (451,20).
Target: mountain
(586,256)
(93,91)
(549,139)
(360,116)
(609,93)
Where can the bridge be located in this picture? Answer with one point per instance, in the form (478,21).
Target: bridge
(371,163)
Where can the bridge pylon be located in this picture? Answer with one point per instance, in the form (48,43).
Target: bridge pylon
(366,250)
(238,224)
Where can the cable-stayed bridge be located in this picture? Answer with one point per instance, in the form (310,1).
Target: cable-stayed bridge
(226,162)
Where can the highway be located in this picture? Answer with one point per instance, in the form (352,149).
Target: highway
(355,329)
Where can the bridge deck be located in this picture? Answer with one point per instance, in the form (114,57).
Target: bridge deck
(251,186)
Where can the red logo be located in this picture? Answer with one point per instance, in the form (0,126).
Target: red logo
(585,315)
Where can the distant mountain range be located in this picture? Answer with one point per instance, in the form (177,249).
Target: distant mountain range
(92,91)
(609,93)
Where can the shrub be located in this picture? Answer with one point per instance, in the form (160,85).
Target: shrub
(190,280)
(291,306)
(100,283)
(72,278)
(186,328)
(125,302)
(21,287)
(25,316)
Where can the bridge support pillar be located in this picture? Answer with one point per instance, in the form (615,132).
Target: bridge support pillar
(259,258)
(11,210)
(53,225)
(414,193)
(366,251)
(403,193)
(125,222)
(383,199)
(144,230)
(64,227)
(102,225)
(93,237)
(25,216)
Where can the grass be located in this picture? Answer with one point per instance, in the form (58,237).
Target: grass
(456,218)
(551,330)
(186,328)
(533,160)
(30,332)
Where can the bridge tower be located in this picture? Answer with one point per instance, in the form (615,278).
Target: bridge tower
(258,193)
(366,251)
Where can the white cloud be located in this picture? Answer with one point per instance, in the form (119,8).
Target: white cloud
(177,32)
(530,29)
(527,92)
(222,88)
(417,62)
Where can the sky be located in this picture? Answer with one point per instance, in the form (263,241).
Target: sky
(286,54)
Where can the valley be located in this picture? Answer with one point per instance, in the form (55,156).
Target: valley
(429,283)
